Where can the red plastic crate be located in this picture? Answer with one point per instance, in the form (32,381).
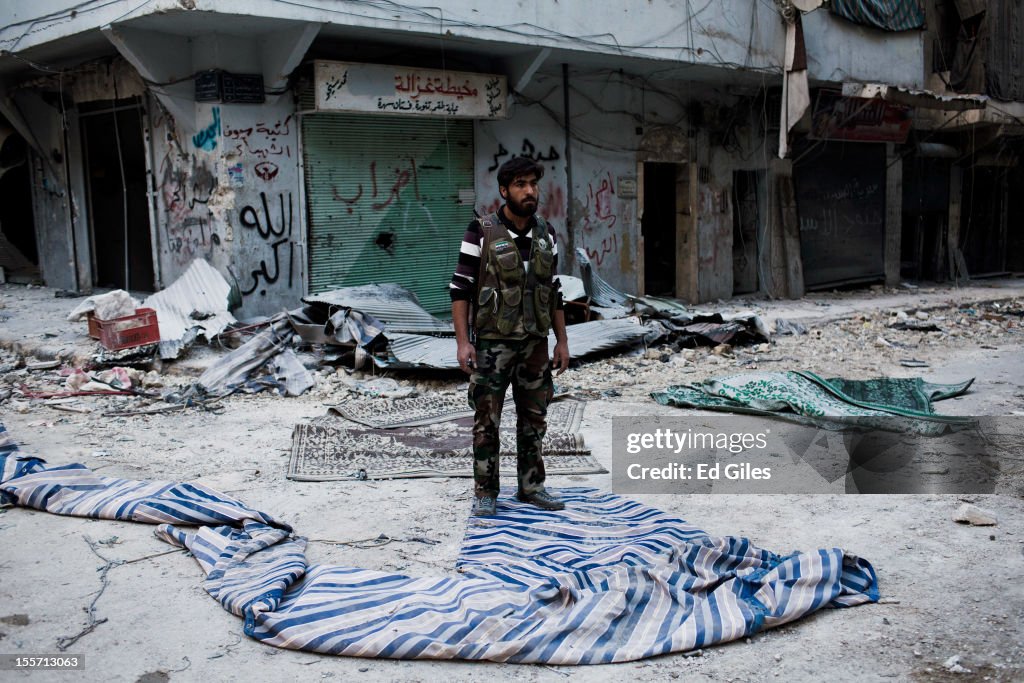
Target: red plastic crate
(127,332)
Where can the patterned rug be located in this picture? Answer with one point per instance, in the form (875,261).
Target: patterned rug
(415,411)
(904,404)
(329,449)
(405,412)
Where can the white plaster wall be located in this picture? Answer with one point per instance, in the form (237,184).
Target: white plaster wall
(727,33)
(606,111)
(230,194)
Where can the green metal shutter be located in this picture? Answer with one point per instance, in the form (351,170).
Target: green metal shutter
(383,196)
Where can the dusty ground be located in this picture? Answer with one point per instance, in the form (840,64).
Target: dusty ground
(948,590)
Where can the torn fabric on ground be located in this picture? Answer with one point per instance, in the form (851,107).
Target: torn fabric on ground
(807,398)
(605,580)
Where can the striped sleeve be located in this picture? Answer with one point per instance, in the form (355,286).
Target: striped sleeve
(463,284)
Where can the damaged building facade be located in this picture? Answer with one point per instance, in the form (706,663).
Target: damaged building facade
(690,151)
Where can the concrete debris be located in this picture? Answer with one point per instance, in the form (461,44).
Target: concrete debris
(116,379)
(115,304)
(787,327)
(975,516)
(953,665)
(194,305)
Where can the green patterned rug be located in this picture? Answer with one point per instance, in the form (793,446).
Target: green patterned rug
(903,404)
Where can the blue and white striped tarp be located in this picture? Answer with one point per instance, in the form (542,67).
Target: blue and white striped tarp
(606,580)
(888,15)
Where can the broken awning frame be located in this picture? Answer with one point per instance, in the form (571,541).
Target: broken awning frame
(923,99)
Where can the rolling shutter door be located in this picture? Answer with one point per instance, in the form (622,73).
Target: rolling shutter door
(383,197)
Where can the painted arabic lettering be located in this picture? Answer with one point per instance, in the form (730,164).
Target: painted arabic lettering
(403,178)
(601,213)
(250,218)
(332,86)
(528,150)
(206,139)
(417,85)
(495,98)
(609,245)
(422,106)
(262,140)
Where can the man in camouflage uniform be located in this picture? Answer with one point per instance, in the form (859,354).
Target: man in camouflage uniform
(503,288)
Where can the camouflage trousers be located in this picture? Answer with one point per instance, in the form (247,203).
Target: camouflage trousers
(523,363)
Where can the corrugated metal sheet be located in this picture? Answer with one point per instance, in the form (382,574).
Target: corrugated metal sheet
(383,199)
(605,296)
(393,305)
(599,291)
(197,299)
(419,351)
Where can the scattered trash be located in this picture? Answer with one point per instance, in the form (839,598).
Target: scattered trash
(913,363)
(383,386)
(287,369)
(109,306)
(42,365)
(231,371)
(788,327)
(953,665)
(915,325)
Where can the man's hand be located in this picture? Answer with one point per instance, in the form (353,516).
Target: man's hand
(467,357)
(560,361)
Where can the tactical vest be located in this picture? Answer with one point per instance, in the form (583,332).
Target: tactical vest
(513,302)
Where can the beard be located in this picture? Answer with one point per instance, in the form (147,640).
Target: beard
(523,210)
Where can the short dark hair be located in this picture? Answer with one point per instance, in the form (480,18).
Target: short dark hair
(517,166)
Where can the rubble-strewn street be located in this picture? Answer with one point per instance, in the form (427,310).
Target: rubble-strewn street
(950,608)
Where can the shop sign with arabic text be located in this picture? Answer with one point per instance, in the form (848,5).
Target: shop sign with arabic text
(345,86)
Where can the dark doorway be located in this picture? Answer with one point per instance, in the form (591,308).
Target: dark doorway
(925,217)
(744,232)
(19,253)
(983,220)
(115,170)
(658,227)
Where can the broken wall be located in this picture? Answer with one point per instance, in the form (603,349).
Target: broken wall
(229,193)
(610,113)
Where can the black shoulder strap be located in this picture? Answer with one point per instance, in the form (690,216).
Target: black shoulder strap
(488,224)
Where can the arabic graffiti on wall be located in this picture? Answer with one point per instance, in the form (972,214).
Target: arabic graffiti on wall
(400,178)
(185,193)
(269,143)
(607,246)
(529,150)
(206,139)
(599,210)
(273,222)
